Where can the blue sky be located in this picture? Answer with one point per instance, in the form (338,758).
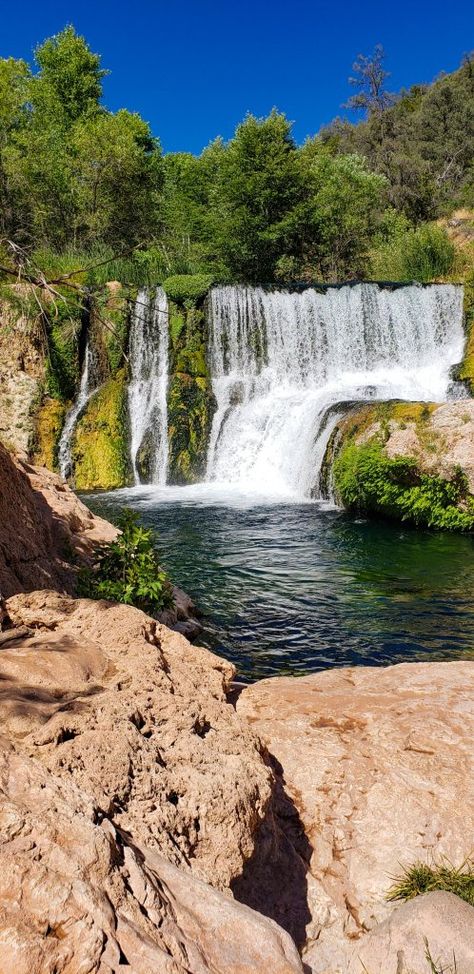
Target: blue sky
(193,68)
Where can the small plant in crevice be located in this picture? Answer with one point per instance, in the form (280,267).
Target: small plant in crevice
(422,878)
(128,570)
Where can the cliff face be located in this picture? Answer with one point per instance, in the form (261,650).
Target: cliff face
(22,373)
(45,530)
(408,461)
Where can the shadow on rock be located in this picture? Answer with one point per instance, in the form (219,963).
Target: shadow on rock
(274,880)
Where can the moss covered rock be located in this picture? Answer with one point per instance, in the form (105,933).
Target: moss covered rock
(191,402)
(109,326)
(408,461)
(466,371)
(190,409)
(49,423)
(100,455)
(187,288)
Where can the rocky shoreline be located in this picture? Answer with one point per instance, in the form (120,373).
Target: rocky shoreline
(151,822)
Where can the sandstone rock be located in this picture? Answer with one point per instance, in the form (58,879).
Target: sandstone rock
(22,368)
(137,718)
(446,442)
(441,438)
(79,896)
(44,527)
(378,764)
(438,925)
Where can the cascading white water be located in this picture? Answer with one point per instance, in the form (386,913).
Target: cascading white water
(147,391)
(86,390)
(281,363)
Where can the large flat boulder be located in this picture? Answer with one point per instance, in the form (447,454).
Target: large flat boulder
(378,765)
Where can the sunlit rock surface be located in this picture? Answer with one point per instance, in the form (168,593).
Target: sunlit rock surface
(378,763)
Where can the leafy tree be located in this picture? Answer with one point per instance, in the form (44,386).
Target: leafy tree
(423,143)
(14,78)
(335,224)
(117,178)
(69,80)
(258,182)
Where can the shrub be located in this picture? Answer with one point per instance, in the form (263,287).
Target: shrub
(128,570)
(368,481)
(408,254)
(187,287)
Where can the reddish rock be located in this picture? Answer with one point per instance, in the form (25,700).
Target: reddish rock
(378,763)
(79,896)
(45,529)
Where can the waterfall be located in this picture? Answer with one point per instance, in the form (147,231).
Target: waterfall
(86,389)
(147,391)
(282,363)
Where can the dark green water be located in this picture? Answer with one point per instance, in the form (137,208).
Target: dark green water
(293,588)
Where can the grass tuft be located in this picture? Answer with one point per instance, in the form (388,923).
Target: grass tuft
(421,878)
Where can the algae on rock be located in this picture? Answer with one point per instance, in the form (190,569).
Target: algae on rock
(191,402)
(99,452)
(466,370)
(49,423)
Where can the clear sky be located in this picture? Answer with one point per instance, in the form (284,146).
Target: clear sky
(193,68)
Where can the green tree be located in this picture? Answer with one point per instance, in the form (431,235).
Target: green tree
(334,226)
(117,179)
(258,182)
(14,78)
(69,80)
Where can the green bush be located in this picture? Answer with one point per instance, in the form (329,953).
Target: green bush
(187,287)
(128,570)
(368,481)
(407,254)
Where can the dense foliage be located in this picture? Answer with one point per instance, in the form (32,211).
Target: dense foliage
(368,481)
(128,570)
(83,183)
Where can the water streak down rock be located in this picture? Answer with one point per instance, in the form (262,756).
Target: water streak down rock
(147,392)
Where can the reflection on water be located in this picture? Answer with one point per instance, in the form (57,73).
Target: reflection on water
(293,588)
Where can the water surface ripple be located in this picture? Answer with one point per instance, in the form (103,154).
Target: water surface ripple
(294,588)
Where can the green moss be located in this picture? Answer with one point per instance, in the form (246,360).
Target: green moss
(190,409)
(177,322)
(110,323)
(49,423)
(100,448)
(368,481)
(63,357)
(187,288)
(191,402)
(382,413)
(466,371)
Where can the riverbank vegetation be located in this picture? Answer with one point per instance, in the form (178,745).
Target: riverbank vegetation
(128,570)
(367,481)
(83,187)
